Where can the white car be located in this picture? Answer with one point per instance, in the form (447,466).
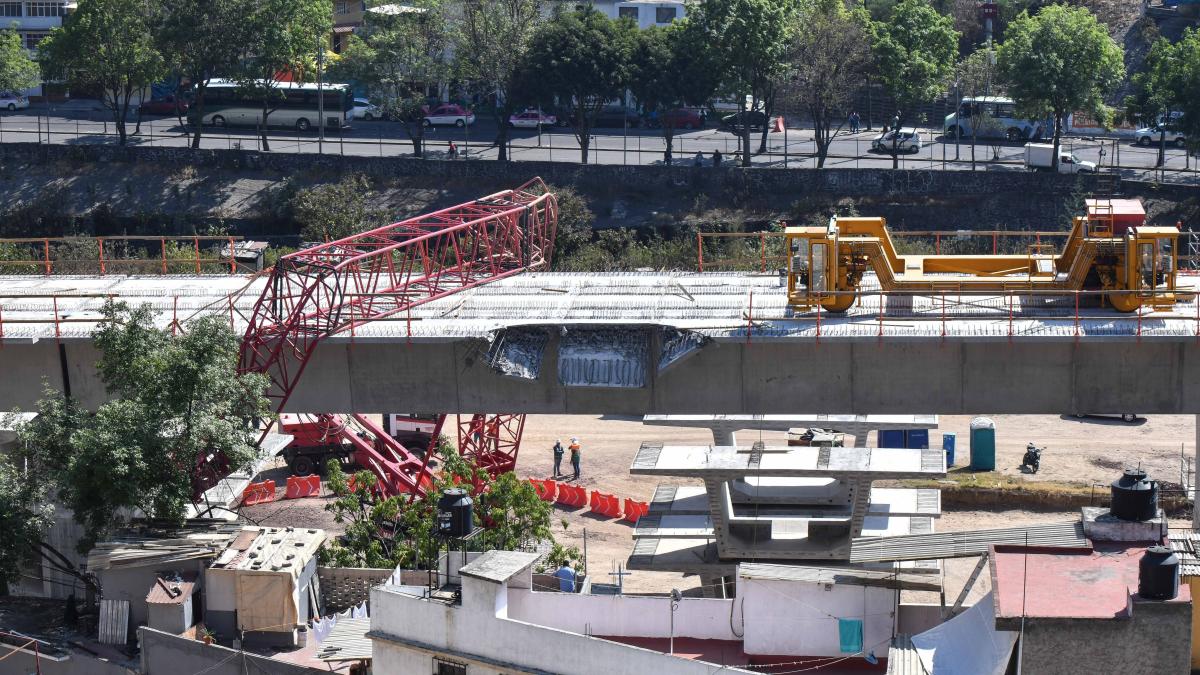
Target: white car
(449,114)
(909,141)
(11,101)
(531,119)
(365,110)
(1147,136)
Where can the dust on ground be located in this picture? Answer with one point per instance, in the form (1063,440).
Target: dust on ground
(1088,450)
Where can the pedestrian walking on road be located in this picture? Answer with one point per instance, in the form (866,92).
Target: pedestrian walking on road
(699,160)
(854,122)
(558,455)
(575,450)
(453,150)
(716,159)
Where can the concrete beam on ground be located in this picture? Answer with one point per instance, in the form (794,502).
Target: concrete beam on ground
(730,463)
(857,427)
(700,527)
(699,556)
(688,500)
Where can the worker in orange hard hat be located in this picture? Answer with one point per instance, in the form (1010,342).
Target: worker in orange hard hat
(575,452)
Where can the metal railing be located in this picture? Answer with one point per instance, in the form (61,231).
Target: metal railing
(101,255)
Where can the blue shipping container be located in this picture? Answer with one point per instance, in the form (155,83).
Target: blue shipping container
(891,438)
(948,440)
(917,438)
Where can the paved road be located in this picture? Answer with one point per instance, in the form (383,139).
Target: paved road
(794,148)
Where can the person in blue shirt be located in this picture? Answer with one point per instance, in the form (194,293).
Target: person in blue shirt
(566,578)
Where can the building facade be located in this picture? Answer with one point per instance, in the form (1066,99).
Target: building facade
(33,20)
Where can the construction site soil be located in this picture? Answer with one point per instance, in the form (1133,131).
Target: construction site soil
(1079,453)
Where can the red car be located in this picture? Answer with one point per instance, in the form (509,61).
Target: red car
(682,118)
(163,106)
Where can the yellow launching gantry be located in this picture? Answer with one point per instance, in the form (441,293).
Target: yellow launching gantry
(1110,249)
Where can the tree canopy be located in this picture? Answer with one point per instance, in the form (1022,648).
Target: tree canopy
(671,69)
(17,71)
(1169,82)
(582,59)
(107,45)
(1058,61)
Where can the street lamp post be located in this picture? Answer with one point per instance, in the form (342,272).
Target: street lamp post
(320,99)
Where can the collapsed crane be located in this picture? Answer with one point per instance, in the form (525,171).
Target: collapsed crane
(341,285)
(1110,250)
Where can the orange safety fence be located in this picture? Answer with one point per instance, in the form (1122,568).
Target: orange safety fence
(124,253)
(303,486)
(606,504)
(546,489)
(569,495)
(258,493)
(634,510)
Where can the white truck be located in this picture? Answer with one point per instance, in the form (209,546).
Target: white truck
(1040,156)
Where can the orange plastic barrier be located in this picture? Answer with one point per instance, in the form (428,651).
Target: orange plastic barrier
(635,510)
(605,504)
(258,493)
(569,495)
(302,486)
(546,489)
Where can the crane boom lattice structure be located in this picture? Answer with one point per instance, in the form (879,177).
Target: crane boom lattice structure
(338,286)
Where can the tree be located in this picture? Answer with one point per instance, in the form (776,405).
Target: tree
(333,210)
(491,39)
(107,45)
(175,401)
(17,71)
(827,62)
(1059,61)
(1168,83)
(24,516)
(397,57)
(203,39)
(671,69)
(914,50)
(581,59)
(282,36)
(752,37)
(975,76)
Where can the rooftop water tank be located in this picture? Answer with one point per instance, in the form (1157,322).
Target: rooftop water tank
(1158,574)
(454,513)
(1134,497)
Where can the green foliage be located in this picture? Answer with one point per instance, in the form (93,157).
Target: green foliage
(560,555)
(281,38)
(575,223)
(490,41)
(582,59)
(25,513)
(333,210)
(914,50)
(175,400)
(827,62)
(107,45)
(1059,61)
(751,37)
(17,70)
(1170,82)
(670,70)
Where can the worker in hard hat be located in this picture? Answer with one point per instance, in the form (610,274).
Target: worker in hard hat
(558,455)
(575,451)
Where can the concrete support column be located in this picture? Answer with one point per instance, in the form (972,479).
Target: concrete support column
(712,586)
(723,435)
(1196,480)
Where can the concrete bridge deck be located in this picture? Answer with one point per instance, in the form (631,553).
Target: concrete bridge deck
(640,343)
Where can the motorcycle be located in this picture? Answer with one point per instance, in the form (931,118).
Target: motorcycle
(1032,461)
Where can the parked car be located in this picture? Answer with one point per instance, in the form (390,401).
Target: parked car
(10,101)
(617,116)
(910,141)
(365,110)
(680,118)
(168,105)
(1147,136)
(531,119)
(449,114)
(755,119)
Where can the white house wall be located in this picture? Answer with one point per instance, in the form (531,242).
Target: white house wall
(783,617)
(625,615)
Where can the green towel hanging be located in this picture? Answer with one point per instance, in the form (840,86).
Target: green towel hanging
(850,635)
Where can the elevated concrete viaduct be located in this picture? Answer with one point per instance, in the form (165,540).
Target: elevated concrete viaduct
(655,343)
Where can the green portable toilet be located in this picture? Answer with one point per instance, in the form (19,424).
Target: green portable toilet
(983,444)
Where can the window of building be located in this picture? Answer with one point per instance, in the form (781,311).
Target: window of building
(441,667)
(665,14)
(341,7)
(32,39)
(44,9)
(627,13)
(10,9)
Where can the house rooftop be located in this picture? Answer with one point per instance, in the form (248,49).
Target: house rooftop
(155,546)
(498,566)
(1057,583)
(171,589)
(271,549)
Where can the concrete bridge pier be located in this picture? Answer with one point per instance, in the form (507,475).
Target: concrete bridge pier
(1195,483)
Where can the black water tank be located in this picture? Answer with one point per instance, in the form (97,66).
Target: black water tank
(454,513)
(1134,497)
(1158,574)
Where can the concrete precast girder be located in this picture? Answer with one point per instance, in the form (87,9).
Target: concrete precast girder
(910,376)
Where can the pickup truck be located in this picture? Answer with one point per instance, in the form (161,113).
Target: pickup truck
(1040,156)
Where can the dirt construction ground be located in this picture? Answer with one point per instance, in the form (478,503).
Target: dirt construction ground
(1089,450)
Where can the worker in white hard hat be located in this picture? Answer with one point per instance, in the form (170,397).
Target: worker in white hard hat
(575,451)
(558,455)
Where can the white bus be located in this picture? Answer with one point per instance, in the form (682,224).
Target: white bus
(294,106)
(994,117)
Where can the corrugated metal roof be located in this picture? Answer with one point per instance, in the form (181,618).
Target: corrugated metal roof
(903,658)
(172,589)
(839,575)
(347,641)
(1186,545)
(966,543)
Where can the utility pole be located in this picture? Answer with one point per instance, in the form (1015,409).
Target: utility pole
(320,98)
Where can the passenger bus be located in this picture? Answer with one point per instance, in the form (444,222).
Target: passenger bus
(294,106)
(994,117)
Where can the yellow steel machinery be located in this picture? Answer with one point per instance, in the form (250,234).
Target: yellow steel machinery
(1110,249)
